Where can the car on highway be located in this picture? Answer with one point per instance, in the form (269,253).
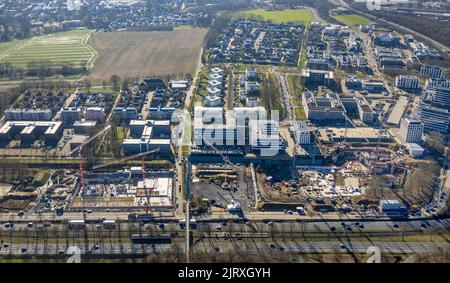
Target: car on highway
(343,246)
(30,225)
(23,250)
(395,225)
(5,245)
(9,225)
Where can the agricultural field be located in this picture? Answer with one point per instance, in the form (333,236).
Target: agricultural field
(137,54)
(302,15)
(353,20)
(71,46)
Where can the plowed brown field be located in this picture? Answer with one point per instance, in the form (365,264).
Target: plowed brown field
(138,54)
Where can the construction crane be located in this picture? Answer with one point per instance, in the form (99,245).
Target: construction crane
(233,205)
(225,159)
(126,158)
(80,148)
(142,155)
(90,139)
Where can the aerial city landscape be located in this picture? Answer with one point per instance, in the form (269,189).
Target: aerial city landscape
(238,131)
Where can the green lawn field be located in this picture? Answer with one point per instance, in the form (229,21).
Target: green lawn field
(353,20)
(280,16)
(71,46)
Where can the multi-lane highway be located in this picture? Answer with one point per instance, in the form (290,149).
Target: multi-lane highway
(260,236)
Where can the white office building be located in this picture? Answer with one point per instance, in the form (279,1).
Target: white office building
(433,72)
(441,96)
(411,130)
(28,115)
(94,114)
(407,82)
(70,114)
(302,132)
(433,118)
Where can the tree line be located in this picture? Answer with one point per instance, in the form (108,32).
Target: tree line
(14,28)
(42,69)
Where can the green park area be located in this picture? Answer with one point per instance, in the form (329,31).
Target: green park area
(353,20)
(64,47)
(280,16)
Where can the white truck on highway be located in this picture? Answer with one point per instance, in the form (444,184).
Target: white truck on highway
(76,224)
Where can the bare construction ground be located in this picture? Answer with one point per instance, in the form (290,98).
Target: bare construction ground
(137,54)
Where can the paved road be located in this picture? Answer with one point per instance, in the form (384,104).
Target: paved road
(246,237)
(318,247)
(315,15)
(220,246)
(420,227)
(285,96)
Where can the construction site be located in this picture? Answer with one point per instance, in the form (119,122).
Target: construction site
(126,191)
(133,188)
(354,182)
(222,188)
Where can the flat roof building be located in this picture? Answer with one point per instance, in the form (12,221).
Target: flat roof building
(84,127)
(318,76)
(328,107)
(433,118)
(28,114)
(31,130)
(411,131)
(302,132)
